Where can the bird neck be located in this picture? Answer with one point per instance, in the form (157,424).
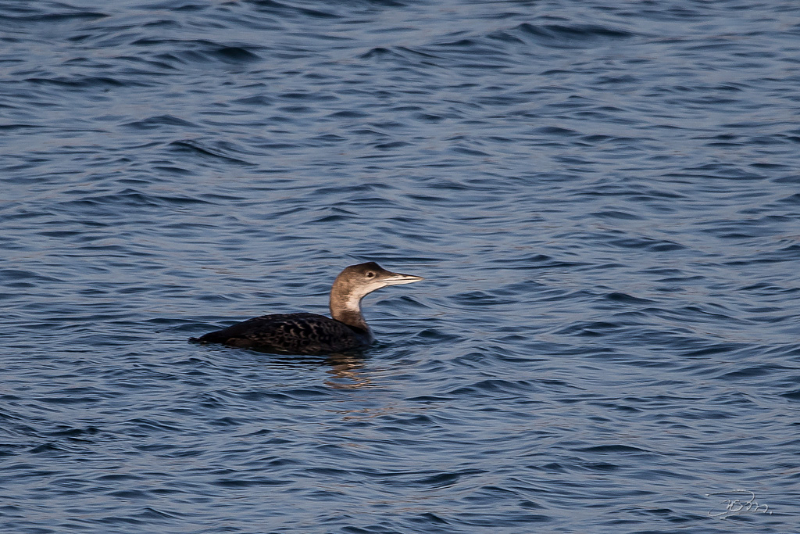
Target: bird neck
(347,309)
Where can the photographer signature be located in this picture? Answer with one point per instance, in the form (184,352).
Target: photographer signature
(738,506)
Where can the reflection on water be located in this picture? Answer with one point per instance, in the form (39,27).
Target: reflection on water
(348,372)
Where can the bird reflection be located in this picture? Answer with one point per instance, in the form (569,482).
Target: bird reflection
(346,369)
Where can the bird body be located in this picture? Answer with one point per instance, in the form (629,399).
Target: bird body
(300,333)
(310,333)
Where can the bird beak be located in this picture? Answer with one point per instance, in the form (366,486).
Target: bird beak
(396,279)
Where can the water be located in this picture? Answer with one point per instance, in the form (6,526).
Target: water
(602,197)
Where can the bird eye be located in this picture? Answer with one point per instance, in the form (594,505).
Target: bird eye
(370,274)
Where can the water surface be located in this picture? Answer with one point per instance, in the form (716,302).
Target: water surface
(603,199)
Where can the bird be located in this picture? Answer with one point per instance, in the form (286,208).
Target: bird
(310,333)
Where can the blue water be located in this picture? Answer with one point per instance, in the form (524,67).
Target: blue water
(603,197)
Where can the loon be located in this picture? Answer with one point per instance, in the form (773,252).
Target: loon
(309,333)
